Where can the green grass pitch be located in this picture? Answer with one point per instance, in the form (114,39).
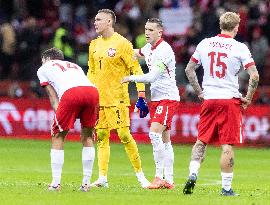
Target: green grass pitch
(25,173)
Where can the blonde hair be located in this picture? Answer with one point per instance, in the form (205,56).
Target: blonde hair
(110,12)
(228,21)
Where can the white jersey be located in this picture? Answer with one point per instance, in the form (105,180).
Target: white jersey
(221,58)
(160,60)
(62,75)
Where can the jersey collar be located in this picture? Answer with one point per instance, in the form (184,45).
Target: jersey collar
(224,36)
(157,43)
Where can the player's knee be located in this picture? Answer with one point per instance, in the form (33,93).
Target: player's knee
(58,135)
(227,150)
(87,133)
(156,141)
(102,134)
(124,135)
(227,156)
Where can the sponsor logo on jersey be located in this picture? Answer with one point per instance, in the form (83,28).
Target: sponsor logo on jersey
(111,52)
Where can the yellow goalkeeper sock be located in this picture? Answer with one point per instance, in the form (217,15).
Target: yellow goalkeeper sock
(103,150)
(130,147)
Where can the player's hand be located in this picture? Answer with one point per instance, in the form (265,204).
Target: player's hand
(125,79)
(141,105)
(245,102)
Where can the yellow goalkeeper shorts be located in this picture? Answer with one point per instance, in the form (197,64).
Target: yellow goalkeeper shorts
(113,117)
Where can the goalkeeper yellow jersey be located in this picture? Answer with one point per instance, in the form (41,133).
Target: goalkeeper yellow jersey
(110,59)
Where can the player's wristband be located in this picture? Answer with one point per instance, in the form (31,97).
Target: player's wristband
(141,94)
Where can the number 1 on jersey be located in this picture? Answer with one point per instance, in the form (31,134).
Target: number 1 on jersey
(219,63)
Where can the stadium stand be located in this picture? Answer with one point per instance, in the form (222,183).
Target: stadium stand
(34,25)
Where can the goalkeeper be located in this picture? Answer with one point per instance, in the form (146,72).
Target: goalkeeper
(111,57)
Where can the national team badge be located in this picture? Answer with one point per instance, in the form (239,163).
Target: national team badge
(111,52)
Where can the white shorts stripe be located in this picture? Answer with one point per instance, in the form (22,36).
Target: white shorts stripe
(241,136)
(166,116)
(57,124)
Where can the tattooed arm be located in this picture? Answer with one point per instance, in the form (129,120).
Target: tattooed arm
(192,77)
(252,85)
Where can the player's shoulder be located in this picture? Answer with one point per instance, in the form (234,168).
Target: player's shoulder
(163,44)
(49,63)
(122,40)
(44,67)
(240,44)
(120,37)
(147,47)
(164,48)
(40,69)
(95,40)
(202,44)
(206,40)
(166,45)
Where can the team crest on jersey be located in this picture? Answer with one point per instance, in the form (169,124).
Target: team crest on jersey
(111,52)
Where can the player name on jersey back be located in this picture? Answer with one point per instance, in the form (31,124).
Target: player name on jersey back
(216,44)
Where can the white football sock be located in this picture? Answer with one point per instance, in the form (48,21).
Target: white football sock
(88,157)
(57,161)
(194,167)
(141,178)
(168,162)
(102,178)
(158,152)
(227,180)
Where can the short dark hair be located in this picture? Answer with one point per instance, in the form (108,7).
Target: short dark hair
(53,54)
(156,21)
(109,11)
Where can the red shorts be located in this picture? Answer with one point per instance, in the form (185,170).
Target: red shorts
(221,121)
(79,102)
(163,111)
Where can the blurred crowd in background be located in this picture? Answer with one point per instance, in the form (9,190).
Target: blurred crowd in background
(27,27)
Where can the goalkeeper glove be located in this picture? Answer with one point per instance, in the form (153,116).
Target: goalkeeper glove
(141,104)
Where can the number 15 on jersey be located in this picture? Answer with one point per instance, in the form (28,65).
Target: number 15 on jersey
(217,60)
